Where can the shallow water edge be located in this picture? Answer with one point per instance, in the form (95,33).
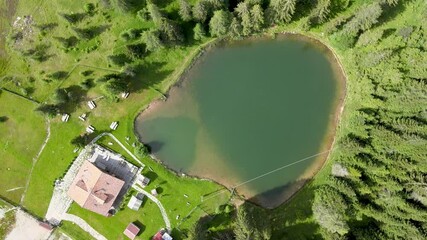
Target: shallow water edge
(328,141)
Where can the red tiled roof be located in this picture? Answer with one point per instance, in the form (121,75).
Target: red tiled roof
(131,231)
(158,236)
(94,190)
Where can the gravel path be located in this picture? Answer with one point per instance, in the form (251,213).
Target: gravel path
(159,204)
(60,202)
(28,228)
(118,142)
(84,225)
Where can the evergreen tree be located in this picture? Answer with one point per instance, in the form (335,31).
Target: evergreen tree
(364,18)
(185,10)
(329,210)
(242,228)
(60,96)
(322,10)
(152,40)
(243,11)
(392,2)
(113,87)
(199,32)
(171,31)
(281,10)
(235,29)
(257,15)
(49,110)
(141,150)
(201,11)
(155,14)
(220,23)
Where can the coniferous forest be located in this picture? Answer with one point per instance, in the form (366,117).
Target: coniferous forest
(374,186)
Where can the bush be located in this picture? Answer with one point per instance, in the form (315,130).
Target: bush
(141,150)
(143,14)
(59,75)
(137,50)
(89,8)
(87,84)
(131,34)
(86,73)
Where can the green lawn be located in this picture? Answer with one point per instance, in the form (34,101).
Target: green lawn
(73,231)
(172,190)
(21,137)
(161,69)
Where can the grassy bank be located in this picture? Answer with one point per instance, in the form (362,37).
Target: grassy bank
(30,78)
(21,135)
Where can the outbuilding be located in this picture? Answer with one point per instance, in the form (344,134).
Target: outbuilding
(134,203)
(131,231)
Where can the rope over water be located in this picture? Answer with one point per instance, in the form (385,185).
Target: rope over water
(270,172)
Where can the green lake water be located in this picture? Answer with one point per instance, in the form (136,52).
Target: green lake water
(245,109)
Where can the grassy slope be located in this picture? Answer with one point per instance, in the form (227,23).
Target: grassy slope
(20,139)
(163,68)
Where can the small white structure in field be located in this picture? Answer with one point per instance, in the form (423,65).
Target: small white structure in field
(134,203)
(90,129)
(166,236)
(142,180)
(125,94)
(65,117)
(154,192)
(83,117)
(114,125)
(91,104)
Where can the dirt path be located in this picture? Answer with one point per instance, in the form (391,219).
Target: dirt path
(35,161)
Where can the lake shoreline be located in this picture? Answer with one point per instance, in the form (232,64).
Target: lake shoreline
(330,138)
(326,144)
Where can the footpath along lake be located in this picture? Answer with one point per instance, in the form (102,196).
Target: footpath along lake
(247,108)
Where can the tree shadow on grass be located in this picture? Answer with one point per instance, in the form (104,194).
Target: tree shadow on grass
(148,75)
(151,175)
(76,95)
(389,13)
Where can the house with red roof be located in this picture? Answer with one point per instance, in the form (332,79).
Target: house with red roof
(95,190)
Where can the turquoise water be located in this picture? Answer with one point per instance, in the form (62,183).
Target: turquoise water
(243,110)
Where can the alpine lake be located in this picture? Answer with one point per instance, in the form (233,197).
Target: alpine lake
(257,115)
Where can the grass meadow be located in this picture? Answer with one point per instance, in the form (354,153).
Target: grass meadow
(30,78)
